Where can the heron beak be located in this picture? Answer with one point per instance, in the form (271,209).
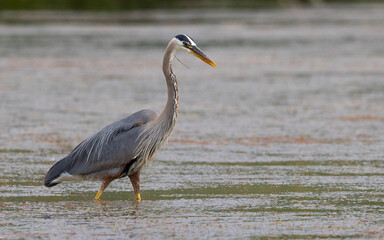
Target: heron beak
(198,53)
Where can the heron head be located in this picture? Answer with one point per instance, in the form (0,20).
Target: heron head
(187,44)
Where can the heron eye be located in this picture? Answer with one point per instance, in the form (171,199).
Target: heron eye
(187,45)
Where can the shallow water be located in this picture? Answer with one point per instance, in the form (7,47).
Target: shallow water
(283,139)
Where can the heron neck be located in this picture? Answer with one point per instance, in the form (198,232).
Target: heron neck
(169,114)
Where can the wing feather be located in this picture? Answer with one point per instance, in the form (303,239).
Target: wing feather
(109,148)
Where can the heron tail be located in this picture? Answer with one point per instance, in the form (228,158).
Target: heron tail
(54,173)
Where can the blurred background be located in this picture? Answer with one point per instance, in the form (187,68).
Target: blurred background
(283,139)
(120,5)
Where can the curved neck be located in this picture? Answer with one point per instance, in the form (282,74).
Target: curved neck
(169,115)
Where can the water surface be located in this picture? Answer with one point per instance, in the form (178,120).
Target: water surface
(283,139)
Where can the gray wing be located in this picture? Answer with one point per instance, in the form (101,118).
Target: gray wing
(111,147)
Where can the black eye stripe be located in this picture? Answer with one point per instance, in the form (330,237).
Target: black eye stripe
(184,39)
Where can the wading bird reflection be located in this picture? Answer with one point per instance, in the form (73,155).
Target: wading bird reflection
(123,147)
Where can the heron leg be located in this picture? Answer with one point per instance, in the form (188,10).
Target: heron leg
(135,180)
(104,185)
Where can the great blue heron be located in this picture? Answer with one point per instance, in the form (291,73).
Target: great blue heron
(123,147)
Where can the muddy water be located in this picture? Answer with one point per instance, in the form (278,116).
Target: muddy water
(283,139)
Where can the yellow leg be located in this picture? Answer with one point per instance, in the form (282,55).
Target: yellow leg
(98,195)
(104,185)
(135,180)
(138,198)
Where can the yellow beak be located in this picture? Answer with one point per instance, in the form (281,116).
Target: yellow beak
(198,53)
